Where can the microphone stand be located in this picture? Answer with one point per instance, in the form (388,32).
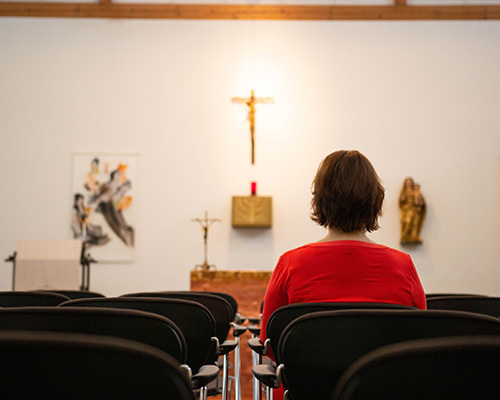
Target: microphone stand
(85,259)
(12,259)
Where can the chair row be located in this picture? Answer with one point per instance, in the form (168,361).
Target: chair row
(60,366)
(315,344)
(153,302)
(201,324)
(481,304)
(438,301)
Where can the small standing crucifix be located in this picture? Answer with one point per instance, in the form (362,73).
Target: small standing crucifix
(205,224)
(250,103)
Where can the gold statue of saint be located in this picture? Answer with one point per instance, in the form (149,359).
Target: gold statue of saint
(250,103)
(412,212)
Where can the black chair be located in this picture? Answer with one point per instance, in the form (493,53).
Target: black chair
(140,326)
(221,309)
(77,294)
(193,319)
(476,304)
(61,366)
(458,368)
(31,299)
(283,316)
(231,300)
(238,318)
(316,349)
(224,314)
(280,318)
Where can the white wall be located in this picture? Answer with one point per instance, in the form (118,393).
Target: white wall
(418,98)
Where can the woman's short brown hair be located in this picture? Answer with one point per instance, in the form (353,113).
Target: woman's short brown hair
(347,193)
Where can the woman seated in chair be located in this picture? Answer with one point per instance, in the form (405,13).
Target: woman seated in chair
(344,266)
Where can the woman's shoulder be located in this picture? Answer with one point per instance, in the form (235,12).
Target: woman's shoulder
(387,249)
(304,248)
(294,251)
(345,245)
(395,256)
(342,244)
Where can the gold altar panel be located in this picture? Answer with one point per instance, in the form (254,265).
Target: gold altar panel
(248,288)
(252,212)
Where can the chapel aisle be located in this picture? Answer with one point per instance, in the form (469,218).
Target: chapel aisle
(248,289)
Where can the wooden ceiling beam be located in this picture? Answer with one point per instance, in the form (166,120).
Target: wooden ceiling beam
(107,9)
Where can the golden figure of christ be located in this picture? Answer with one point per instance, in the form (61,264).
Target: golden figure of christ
(250,103)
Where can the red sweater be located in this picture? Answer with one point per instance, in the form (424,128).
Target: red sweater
(343,271)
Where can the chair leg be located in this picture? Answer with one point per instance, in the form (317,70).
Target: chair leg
(237,370)
(256,359)
(203,393)
(269,393)
(229,388)
(225,378)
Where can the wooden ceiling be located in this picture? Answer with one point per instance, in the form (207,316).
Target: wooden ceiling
(400,10)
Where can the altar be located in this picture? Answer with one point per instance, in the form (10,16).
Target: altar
(248,288)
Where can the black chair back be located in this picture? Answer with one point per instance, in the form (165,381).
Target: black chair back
(76,294)
(476,304)
(31,299)
(220,308)
(280,318)
(316,349)
(193,319)
(140,326)
(61,366)
(229,298)
(458,368)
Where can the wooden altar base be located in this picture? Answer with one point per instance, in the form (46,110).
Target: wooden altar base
(248,288)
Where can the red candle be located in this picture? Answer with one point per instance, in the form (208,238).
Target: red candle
(254,188)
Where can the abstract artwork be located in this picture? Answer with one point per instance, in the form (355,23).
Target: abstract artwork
(104,204)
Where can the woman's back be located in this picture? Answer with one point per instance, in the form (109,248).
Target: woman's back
(348,270)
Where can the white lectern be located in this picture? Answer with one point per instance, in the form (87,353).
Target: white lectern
(47,264)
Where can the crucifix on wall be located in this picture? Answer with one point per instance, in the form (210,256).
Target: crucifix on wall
(250,103)
(205,223)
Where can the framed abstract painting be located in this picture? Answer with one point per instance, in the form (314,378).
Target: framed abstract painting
(104,204)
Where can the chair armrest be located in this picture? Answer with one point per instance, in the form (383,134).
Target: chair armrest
(205,375)
(256,345)
(239,330)
(268,374)
(254,320)
(239,319)
(226,347)
(254,330)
